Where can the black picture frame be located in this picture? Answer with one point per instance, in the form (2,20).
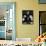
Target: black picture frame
(27,16)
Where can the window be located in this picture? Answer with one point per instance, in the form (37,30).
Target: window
(42,22)
(7,21)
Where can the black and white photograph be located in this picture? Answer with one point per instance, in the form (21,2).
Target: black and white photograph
(27,17)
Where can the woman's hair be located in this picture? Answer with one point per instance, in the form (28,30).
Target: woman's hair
(44,40)
(44,34)
(41,35)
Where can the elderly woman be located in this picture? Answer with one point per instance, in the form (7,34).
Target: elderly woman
(41,38)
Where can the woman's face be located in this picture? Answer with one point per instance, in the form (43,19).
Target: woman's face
(45,36)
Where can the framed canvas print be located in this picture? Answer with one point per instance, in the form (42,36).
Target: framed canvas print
(42,22)
(27,17)
(7,20)
(42,1)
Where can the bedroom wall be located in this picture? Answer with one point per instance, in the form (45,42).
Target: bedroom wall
(27,31)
